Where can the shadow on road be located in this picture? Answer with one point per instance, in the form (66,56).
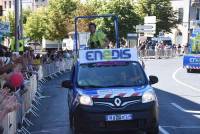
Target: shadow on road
(195,71)
(181,120)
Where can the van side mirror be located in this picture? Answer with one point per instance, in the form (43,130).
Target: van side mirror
(67,84)
(153,80)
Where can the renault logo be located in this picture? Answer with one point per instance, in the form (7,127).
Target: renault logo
(117,102)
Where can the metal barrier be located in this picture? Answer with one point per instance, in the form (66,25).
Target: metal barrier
(159,53)
(30,96)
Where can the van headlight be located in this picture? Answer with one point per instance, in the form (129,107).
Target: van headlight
(86,100)
(149,97)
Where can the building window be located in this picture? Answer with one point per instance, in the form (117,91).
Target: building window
(10,4)
(198,14)
(5,4)
(180,14)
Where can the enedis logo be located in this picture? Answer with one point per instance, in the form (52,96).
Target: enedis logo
(108,54)
(195,60)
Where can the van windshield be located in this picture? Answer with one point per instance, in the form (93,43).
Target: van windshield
(123,74)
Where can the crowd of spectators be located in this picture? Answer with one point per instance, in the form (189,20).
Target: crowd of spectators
(161,49)
(15,68)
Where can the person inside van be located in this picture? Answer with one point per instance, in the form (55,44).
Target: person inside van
(97,39)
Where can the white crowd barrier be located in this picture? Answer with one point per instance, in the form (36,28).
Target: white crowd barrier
(29,97)
(159,53)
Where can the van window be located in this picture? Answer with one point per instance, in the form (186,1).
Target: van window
(126,74)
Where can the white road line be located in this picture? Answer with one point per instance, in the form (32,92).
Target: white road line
(182,83)
(197,116)
(178,107)
(162,130)
(182,127)
(194,112)
(184,110)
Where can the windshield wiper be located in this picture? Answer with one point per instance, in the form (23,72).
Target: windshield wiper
(120,86)
(92,86)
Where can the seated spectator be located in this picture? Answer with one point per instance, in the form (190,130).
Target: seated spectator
(7,104)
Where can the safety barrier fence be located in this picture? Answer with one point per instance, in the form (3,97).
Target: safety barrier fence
(30,96)
(160,53)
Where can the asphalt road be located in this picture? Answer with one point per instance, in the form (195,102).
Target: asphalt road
(178,93)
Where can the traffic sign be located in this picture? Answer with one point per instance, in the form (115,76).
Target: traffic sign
(147,28)
(132,35)
(139,27)
(149,34)
(4,27)
(150,20)
(146,31)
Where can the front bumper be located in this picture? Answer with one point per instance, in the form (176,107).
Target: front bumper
(91,119)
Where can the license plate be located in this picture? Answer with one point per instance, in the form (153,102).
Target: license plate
(119,117)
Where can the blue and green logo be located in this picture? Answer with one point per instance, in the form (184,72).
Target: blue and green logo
(108,54)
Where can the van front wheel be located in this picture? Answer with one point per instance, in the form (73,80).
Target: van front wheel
(154,130)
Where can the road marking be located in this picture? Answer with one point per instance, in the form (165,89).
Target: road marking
(184,110)
(197,116)
(182,83)
(163,130)
(178,107)
(182,127)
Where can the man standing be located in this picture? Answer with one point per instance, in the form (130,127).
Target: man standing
(97,39)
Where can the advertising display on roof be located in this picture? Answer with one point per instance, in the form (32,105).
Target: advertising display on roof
(102,55)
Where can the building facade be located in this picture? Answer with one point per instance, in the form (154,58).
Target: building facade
(9,5)
(189,17)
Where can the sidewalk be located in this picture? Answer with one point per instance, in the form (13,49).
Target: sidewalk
(53,111)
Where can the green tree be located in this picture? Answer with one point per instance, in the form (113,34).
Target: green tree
(35,27)
(11,19)
(162,9)
(26,14)
(127,18)
(60,13)
(85,9)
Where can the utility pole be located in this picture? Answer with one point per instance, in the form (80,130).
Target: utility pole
(21,20)
(189,10)
(17,25)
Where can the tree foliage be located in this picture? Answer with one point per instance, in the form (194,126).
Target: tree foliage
(162,9)
(58,19)
(85,9)
(127,18)
(60,14)
(36,25)
(11,18)
(25,14)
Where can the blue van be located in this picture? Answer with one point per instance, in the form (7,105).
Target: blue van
(110,92)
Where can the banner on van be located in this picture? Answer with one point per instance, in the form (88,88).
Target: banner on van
(102,55)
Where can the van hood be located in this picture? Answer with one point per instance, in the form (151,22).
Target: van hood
(115,92)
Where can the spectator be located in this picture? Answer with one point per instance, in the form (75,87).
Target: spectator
(9,63)
(174,50)
(179,49)
(186,47)
(36,62)
(7,104)
(142,49)
(97,39)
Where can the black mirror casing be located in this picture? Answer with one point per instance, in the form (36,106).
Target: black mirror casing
(67,84)
(153,80)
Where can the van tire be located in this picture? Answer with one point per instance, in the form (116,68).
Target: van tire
(154,130)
